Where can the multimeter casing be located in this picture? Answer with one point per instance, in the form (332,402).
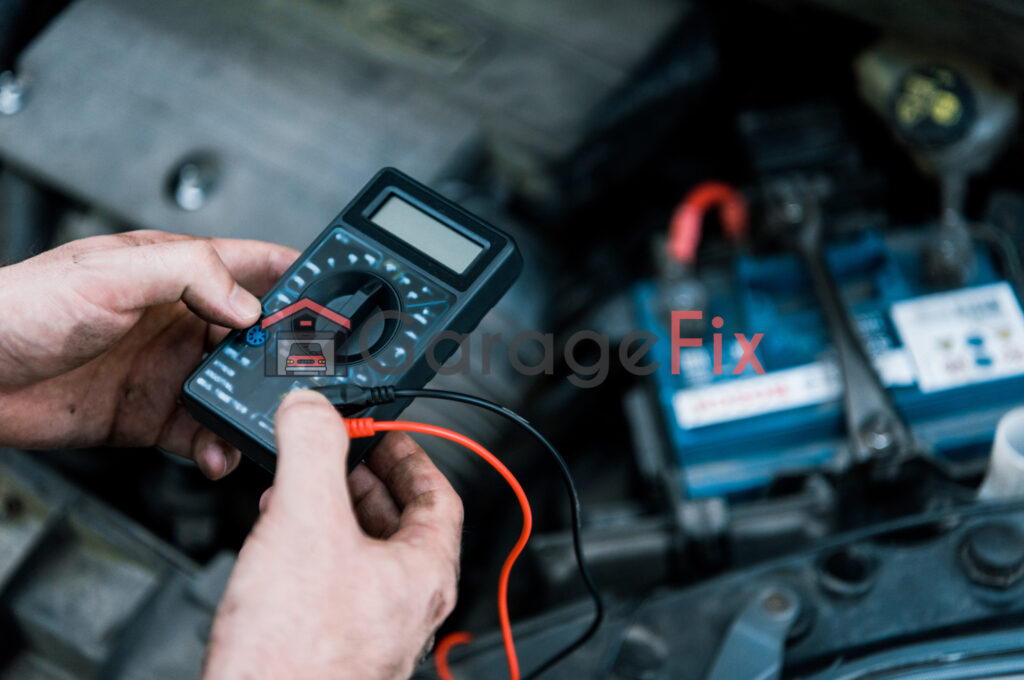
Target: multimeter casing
(235,391)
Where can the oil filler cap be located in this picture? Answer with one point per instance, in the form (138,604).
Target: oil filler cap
(993,554)
(933,107)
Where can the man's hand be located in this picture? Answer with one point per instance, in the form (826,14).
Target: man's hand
(97,337)
(340,578)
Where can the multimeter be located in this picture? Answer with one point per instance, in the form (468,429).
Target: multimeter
(376,300)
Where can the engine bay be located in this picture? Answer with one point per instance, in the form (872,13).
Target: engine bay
(770,314)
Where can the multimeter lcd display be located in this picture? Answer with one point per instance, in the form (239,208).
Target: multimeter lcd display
(427,234)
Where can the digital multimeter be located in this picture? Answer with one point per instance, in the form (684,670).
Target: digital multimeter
(365,304)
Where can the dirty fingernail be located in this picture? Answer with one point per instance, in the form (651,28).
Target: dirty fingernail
(214,460)
(265,499)
(245,304)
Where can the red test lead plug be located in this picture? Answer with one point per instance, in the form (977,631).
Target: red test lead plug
(368,427)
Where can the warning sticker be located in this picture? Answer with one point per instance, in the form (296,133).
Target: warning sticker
(963,337)
(790,388)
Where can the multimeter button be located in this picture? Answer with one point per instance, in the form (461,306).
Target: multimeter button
(428,313)
(434,309)
(414,288)
(256,336)
(393,356)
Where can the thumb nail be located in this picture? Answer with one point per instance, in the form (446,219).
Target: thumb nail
(245,304)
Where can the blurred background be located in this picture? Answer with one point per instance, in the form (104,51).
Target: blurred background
(844,178)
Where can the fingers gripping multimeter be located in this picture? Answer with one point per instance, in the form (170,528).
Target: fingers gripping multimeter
(364,304)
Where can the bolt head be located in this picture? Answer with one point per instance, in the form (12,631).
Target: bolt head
(193,181)
(779,603)
(776,603)
(878,434)
(993,554)
(12,93)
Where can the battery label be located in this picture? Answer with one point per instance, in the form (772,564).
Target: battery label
(807,385)
(963,337)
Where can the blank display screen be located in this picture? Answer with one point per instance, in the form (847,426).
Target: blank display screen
(426,234)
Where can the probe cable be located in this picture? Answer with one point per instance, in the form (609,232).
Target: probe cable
(444,646)
(574,508)
(368,427)
(355,396)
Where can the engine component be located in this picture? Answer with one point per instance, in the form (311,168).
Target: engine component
(949,113)
(12,93)
(845,587)
(955,120)
(961,658)
(986,30)
(1005,476)
(88,593)
(27,213)
(288,98)
(754,646)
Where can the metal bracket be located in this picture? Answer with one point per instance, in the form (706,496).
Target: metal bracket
(754,647)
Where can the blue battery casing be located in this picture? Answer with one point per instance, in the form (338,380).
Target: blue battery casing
(731,449)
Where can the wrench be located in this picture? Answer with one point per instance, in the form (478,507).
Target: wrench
(875,429)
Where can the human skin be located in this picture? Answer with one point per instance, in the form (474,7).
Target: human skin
(343,575)
(99,334)
(324,591)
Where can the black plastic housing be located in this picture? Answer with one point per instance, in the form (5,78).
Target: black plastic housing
(230,392)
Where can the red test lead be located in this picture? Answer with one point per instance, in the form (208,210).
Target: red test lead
(368,427)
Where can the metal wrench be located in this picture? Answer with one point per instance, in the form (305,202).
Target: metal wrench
(875,429)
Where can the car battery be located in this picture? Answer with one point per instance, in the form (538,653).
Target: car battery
(953,360)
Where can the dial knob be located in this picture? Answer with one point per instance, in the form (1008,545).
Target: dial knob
(361,298)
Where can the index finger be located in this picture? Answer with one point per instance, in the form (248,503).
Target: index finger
(431,510)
